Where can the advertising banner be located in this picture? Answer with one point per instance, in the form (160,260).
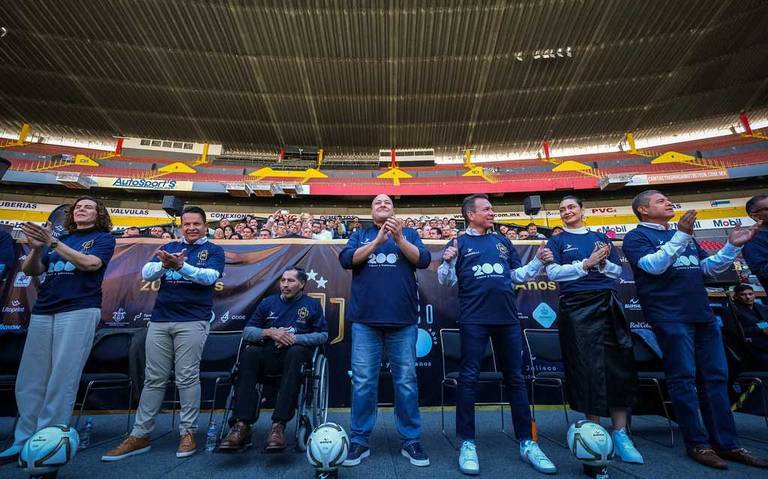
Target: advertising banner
(252,272)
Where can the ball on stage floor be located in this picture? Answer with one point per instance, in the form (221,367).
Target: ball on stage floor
(327,447)
(49,449)
(590,443)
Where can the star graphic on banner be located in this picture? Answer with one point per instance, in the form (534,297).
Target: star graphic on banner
(321,282)
(312,275)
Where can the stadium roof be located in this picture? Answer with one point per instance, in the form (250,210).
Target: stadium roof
(358,76)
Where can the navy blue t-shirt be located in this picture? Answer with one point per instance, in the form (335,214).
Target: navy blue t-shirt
(755,254)
(676,295)
(180,299)
(484,271)
(7,253)
(64,288)
(384,288)
(569,248)
(301,315)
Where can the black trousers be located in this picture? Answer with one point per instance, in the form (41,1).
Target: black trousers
(257,364)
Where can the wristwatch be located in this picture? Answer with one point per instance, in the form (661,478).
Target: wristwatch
(54,244)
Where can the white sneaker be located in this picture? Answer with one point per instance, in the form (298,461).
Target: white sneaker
(468,461)
(533,455)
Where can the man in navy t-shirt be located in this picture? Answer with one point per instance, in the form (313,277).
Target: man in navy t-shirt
(669,268)
(756,251)
(187,270)
(383,310)
(486,266)
(282,334)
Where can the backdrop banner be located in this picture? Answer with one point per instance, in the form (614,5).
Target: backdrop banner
(252,272)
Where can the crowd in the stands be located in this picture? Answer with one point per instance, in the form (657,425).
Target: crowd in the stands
(283,224)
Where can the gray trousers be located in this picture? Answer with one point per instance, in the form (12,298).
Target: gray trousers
(176,346)
(55,353)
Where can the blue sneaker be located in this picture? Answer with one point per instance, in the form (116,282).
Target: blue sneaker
(624,447)
(533,455)
(10,455)
(468,461)
(415,454)
(357,453)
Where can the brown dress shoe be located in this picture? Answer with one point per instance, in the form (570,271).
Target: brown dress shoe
(131,446)
(239,438)
(707,456)
(187,445)
(276,439)
(743,456)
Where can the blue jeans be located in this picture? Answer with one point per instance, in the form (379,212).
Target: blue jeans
(697,377)
(367,345)
(507,341)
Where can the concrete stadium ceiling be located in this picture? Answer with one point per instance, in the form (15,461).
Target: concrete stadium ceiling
(354,76)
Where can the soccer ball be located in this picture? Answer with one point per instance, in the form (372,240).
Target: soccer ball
(49,449)
(327,447)
(590,443)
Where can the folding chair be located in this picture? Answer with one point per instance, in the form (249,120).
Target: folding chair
(11,349)
(739,347)
(219,356)
(450,346)
(544,345)
(651,376)
(107,368)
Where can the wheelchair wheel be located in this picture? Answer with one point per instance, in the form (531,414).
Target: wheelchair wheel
(320,396)
(302,433)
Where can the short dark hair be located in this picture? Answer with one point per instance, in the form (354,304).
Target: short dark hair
(439,230)
(574,198)
(557,228)
(317,222)
(194,209)
(750,206)
(531,224)
(742,287)
(469,204)
(300,273)
(248,228)
(643,199)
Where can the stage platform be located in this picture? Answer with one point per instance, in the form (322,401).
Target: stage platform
(498,453)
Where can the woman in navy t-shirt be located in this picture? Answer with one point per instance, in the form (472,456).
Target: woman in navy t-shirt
(601,379)
(64,318)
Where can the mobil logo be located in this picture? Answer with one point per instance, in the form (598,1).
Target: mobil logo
(727,223)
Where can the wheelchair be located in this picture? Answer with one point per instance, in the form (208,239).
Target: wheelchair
(312,405)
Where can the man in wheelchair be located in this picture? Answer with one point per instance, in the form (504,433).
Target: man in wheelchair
(280,337)
(753,318)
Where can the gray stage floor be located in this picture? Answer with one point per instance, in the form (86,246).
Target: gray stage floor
(498,454)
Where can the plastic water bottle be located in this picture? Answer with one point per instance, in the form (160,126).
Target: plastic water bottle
(85,434)
(210,438)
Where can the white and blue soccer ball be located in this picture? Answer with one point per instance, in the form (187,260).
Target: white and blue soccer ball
(49,449)
(327,447)
(590,443)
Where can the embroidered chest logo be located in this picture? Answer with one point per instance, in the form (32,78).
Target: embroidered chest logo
(303,313)
(503,251)
(86,246)
(202,256)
